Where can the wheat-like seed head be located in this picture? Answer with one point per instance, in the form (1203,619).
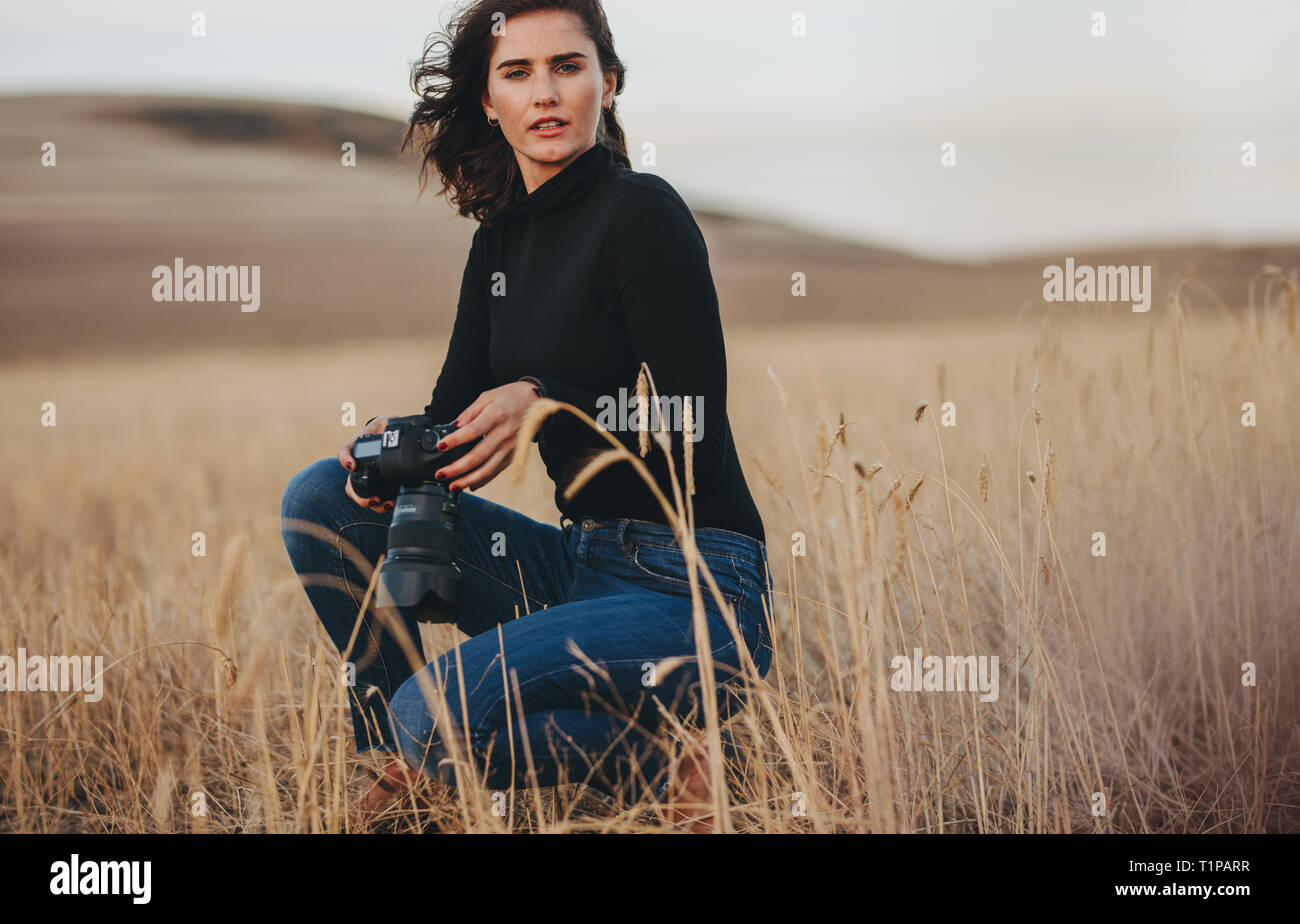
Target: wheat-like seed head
(1043,565)
(1049,477)
(688,444)
(643,412)
(824,446)
(916,487)
(920,409)
(868,526)
(889,494)
(984,479)
(836,437)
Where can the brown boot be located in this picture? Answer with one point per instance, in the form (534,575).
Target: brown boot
(396,777)
(690,797)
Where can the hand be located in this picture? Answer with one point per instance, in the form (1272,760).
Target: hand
(497,415)
(345,459)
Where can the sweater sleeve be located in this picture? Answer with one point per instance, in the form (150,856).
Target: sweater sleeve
(465,371)
(661,276)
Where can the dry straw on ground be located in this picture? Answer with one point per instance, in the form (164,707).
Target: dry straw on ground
(1121,682)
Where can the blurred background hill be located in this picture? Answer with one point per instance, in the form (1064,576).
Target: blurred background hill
(351,252)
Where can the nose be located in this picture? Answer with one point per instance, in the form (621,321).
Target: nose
(544,92)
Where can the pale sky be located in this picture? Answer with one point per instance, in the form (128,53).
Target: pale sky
(1058,131)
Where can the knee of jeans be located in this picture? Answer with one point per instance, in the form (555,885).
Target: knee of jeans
(305,497)
(411,722)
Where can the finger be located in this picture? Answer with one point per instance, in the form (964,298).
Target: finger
(481,403)
(463,433)
(346,459)
(470,461)
(467,434)
(367,502)
(361,501)
(484,473)
(481,476)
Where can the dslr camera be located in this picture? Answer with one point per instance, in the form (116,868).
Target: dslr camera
(419,578)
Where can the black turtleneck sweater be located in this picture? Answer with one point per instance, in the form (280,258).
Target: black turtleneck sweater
(577,283)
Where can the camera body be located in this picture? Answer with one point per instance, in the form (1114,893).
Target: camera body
(419,578)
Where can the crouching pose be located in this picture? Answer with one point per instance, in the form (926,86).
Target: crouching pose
(582,640)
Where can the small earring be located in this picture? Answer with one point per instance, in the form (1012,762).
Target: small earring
(492,121)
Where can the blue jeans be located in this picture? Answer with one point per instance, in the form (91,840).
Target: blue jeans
(592,620)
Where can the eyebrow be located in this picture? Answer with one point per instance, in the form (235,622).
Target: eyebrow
(554,59)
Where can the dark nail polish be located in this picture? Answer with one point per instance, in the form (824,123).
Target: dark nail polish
(442,445)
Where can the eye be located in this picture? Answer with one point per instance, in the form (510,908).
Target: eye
(510,75)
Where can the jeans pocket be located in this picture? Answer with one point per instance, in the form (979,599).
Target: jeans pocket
(668,565)
(758,609)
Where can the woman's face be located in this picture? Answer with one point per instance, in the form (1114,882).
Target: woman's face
(545,67)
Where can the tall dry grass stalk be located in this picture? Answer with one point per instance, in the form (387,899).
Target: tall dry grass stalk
(1127,587)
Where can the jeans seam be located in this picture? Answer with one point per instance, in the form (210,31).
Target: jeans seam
(493,577)
(749,540)
(477,721)
(343,578)
(338,547)
(765,630)
(675,582)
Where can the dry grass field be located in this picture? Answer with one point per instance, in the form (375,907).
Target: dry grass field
(895,521)
(1121,674)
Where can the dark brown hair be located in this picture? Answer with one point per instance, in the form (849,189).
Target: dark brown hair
(448,129)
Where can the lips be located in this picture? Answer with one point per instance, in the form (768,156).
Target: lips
(548,123)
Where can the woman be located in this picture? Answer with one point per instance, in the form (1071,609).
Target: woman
(581,270)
